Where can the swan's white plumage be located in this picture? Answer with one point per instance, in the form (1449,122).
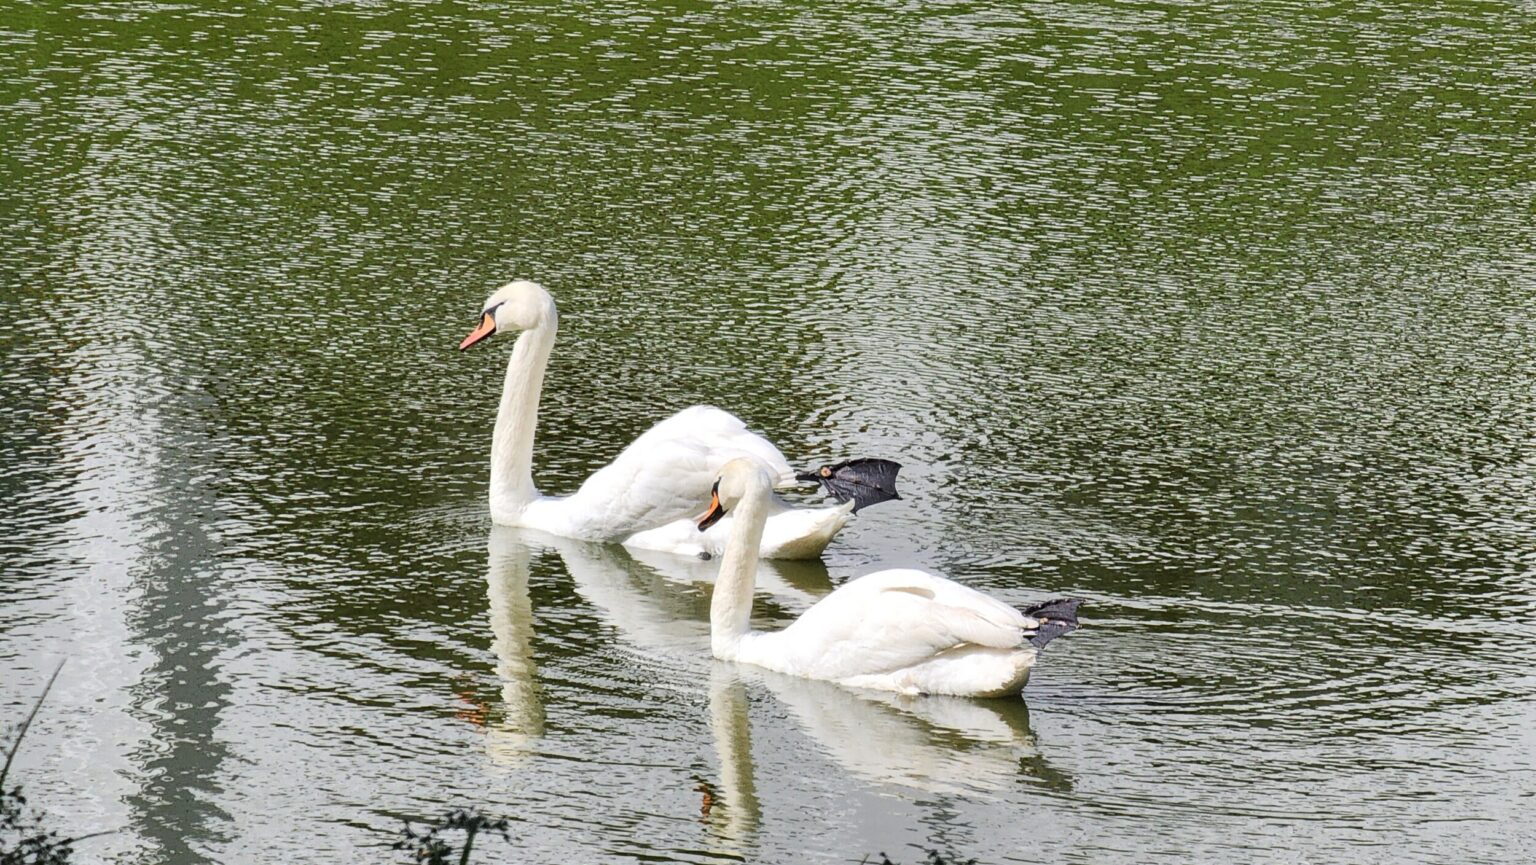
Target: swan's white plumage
(896,630)
(654,484)
(660,476)
(879,628)
(791,533)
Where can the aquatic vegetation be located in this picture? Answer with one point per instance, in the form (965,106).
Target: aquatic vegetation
(934,858)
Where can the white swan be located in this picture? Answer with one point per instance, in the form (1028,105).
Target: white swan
(900,630)
(643,497)
(792,533)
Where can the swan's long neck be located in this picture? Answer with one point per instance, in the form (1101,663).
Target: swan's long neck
(517,418)
(730,613)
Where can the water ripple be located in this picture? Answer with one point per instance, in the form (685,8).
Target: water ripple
(1220,317)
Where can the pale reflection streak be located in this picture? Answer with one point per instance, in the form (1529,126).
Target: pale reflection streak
(107,448)
(795,585)
(515,731)
(141,695)
(735,820)
(933,744)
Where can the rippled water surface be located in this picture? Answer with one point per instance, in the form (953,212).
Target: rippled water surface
(1221,316)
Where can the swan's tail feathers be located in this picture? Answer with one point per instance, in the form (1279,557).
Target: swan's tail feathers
(864,482)
(1055,617)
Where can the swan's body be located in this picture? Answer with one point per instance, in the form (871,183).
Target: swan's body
(791,533)
(646,494)
(899,630)
(658,479)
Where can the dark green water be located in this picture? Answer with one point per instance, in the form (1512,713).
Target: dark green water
(1221,316)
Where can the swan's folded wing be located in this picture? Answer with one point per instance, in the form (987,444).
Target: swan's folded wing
(895,619)
(666,473)
(722,434)
(995,621)
(653,482)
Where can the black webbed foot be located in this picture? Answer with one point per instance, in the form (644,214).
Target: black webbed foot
(863,481)
(1056,617)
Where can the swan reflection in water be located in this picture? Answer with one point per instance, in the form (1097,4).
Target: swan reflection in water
(512,733)
(930,743)
(605,577)
(731,810)
(661,606)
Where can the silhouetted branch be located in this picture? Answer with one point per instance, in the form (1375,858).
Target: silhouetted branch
(16,745)
(934,858)
(23,840)
(430,848)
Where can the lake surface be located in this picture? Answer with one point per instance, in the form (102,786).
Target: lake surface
(1222,317)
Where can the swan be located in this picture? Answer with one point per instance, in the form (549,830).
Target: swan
(899,630)
(643,497)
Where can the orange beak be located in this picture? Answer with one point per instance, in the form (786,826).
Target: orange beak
(715,512)
(486,328)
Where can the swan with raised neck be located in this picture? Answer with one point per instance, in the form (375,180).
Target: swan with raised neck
(646,495)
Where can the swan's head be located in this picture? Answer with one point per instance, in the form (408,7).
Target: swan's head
(739,478)
(520,305)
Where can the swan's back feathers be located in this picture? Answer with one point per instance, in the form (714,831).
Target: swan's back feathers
(985,620)
(724,434)
(666,473)
(888,621)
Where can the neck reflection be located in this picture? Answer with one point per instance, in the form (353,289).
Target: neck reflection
(513,732)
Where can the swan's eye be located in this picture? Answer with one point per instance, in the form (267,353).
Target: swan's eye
(491,310)
(715,490)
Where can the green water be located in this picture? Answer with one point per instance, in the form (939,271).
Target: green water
(1220,316)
